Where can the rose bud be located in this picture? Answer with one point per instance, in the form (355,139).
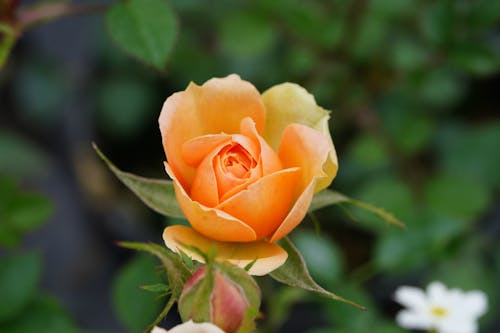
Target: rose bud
(223,296)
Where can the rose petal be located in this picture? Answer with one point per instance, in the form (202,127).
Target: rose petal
(204,189)
(179,123)
(269,159)
(223,102)
(266,257)
(296,214)
(212,223)
(265,203)
(196,149)
(215,107)
(304,147)
(229,185)
(289,103)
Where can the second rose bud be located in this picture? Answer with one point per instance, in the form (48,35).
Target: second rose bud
(224,295)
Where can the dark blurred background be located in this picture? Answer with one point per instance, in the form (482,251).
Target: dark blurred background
(413,87)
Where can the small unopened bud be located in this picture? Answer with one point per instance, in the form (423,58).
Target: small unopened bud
(221,295)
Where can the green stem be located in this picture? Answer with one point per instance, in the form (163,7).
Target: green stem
(9,36)
(29,16)
(163,313)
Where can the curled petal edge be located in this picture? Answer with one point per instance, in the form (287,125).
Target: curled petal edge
(265,256)
(212,223)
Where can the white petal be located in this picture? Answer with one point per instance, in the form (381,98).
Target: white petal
(476,303)
(411,297)
(157,329)
(437,293)
(410,319)
(191,327)
(457,325)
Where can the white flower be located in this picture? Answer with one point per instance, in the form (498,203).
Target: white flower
(190,327)
(441,309)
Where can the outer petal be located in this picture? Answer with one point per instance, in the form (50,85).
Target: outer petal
(212,223)
(304,147)
(217,106)
(265,203)
(289,103)
(296,214)
(267,256)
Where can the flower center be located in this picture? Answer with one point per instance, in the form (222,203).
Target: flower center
(237,161)
(439,312)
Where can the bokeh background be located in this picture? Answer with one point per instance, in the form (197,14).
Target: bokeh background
(414,91)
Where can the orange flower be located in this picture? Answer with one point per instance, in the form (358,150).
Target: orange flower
(245,166)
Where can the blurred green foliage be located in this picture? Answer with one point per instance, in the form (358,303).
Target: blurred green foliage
(413,88)
(135,307)
(20,212)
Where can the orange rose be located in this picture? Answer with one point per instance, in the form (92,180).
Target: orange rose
(245,166)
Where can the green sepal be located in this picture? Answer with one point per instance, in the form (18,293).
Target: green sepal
(177,273)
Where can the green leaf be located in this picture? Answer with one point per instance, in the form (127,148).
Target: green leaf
(475,59)
(456,196)
(441,88)
(388,192)
(19,157)
(295,274)
(135,307)
(45,316)
(20,212)
(328,197)
(41,91)
(177,271)
(326,267)
(369,151)
(29,211)
(471,152)
(157,194)
(246,35)
(146,29)
(125,105)
(19,278)
(371,34)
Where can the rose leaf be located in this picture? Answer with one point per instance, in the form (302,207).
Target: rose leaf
(146,29)
(157,194)
(295,274)
(328,197)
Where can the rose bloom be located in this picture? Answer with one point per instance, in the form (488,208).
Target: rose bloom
(190,327)
(245,166)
